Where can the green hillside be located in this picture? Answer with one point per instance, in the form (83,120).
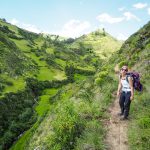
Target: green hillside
(135,52)
(25,54)
(34,70)
(100,42)
(55,92)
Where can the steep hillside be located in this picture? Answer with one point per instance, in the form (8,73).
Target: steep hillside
(102,43)
(135,53)
(45,83)
(29,64)
(55,92)
(28,54)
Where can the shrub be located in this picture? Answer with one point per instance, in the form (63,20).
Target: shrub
(1,87)
(17,115)
(99,81)
(122,63)
(102,77)
(67,126)
(144,123)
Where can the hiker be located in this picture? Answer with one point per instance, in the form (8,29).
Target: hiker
(125,92)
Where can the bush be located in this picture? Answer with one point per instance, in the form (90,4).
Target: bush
(1,87)
(123,63)
(70,70)
(67,126)
(144,123)
(99,81)
(103,76)
(16,115)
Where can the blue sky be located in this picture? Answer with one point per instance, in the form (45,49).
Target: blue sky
(72,18)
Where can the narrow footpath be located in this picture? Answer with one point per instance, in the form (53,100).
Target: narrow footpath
(116,138)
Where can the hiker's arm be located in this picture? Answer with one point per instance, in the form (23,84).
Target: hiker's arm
(131,86)
(119,87)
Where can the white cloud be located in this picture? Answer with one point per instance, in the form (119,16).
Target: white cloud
(140,5)
(121,36)
(76,25)
(121,8)
(28,27)
(74,28)
(106,18)
(148,11)
(130,16)
(14,21)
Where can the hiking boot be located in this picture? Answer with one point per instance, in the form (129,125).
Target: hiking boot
(120,114)
(124,118)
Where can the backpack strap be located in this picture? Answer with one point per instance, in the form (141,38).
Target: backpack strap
(127,78)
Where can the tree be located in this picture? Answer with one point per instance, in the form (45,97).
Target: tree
(70,70)
(104,33)
(3,19)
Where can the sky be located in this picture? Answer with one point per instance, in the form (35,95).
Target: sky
(73,18)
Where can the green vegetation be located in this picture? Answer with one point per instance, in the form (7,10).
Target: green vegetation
(135,54)
(17,84)
(54,92)
(22,44)
(98,42)
(45,74)
(43,105)
(17,115)
(30,65)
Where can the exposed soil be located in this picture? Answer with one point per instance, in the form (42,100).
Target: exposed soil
(116,138)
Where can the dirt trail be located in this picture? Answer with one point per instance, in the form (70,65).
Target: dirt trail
(116,138)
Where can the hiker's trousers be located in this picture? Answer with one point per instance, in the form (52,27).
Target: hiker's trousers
(124,102)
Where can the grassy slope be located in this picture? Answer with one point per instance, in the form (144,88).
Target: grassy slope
(32,51)
(80,94)
(135,52)
(86,101)
(43,73)
(139,130)
(13,56)
(86,104)
(101,43)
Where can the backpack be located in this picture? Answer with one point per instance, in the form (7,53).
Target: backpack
(136,80)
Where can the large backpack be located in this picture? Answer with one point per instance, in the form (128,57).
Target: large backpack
(136,80)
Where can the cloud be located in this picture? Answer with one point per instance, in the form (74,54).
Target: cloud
(14,21)
(140,5)
(148,11)
(28,27)
(106,18)
(121,36)
(121,8)
(129,16)
(31,28)
(74,28)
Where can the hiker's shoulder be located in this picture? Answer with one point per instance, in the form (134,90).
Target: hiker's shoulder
(129,76)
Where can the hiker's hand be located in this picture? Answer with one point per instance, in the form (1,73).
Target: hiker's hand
(131,98)
(118,94)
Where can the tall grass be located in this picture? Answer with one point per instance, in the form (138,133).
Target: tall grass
(139,127)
